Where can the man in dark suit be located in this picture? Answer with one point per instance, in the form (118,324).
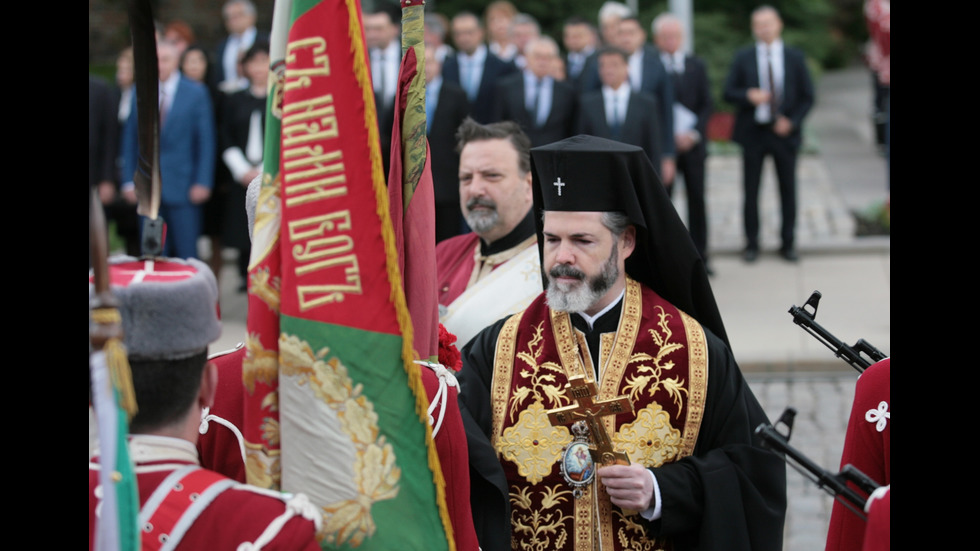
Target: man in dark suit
(474,67)
(239,17)
(103,141)
(103,138)
(648,75)
(579,38)
(617,112)
(446,108)
(693,107)
(543,106)
(382,28)
(188,145)
(770,86)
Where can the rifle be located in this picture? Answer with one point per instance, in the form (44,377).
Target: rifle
(834,484)
(850,354)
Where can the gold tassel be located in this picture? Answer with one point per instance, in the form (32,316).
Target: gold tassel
(122,377)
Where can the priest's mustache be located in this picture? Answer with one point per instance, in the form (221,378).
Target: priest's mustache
(564,270)
(481,202)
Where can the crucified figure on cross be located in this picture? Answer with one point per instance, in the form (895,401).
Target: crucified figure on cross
(589,410)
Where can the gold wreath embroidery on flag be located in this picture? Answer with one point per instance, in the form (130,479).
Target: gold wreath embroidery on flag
(376,473)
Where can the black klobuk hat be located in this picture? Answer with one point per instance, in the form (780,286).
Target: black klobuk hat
(592,174)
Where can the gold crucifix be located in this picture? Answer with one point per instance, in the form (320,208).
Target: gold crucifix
(583,391)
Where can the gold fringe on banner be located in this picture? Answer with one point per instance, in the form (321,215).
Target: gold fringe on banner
(122,376)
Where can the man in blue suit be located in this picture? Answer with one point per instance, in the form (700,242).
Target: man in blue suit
(474,67)
(187,154)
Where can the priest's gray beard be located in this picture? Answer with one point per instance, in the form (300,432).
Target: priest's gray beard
(579,297)
(481,221)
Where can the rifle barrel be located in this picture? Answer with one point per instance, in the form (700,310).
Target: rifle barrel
(833,484)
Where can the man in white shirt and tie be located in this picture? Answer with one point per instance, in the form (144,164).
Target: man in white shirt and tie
(474,67)
(381,34)
(543,106)
(188,144)
(617,111)
(579,38)
(382,28)
(769,115)
(239,17)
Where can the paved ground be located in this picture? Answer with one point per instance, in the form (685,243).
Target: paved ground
(786,367)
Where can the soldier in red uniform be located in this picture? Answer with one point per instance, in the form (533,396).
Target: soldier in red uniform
(867,447)
(169,317)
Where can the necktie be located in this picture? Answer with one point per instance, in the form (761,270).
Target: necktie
(671,65)
(381,70)
(614,123)
(773,103)
(163,106)
(471,89)
(575,64)
(536,103)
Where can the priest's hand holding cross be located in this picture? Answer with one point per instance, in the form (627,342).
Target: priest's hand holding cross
(630,486)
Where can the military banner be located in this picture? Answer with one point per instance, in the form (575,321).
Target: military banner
(335,407)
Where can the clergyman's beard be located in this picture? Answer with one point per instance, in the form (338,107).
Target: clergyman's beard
(577,297)
(482,220)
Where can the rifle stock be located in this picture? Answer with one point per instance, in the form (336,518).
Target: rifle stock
(834,484)
(850,354)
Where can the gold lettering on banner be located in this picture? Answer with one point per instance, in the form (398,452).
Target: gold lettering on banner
(309,120)
(298,189)
(315,63)
(316,249)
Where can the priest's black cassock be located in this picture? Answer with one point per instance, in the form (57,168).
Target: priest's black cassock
(730,492)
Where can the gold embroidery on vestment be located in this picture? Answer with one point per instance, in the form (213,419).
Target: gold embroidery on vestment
(540,527)
(697,385)
(632,536)
(649,440)
(502,371)
(649,375)
(533,443)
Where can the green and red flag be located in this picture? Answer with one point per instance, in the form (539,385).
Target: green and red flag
(334,403)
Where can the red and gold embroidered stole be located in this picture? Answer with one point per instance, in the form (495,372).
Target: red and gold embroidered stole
(657,357)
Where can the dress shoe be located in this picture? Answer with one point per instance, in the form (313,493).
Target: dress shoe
(789,255)
(750,255)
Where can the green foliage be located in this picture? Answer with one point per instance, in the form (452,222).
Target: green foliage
(106,71)
(716,42)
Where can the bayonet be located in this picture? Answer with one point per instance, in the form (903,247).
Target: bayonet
(147,81)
